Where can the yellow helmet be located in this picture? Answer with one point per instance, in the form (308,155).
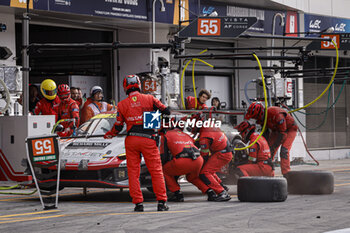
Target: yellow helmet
(49,89)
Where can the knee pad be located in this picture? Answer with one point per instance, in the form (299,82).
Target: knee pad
(204,179)
(284,153)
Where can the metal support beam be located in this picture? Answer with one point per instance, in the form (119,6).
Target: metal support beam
(25,63)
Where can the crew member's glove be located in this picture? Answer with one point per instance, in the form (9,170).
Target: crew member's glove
(110,134)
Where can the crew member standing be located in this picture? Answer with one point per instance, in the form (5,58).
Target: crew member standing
(199,103)
(140,141)
(94,105)
(67,109)
(49,104)
(259,161)
(181,157)
(282,130)
(214,143)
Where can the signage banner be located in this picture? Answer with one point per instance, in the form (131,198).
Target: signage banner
(229,27)
(265,17)
(342,40)
(130,9)
(316,24)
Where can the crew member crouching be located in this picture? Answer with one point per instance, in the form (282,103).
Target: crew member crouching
(215,146)
(180,157)
(259,161)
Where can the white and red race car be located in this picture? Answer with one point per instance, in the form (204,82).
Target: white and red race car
(89,160)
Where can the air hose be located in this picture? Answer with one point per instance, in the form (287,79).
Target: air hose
(246,90)
(328,86)
(14,193)
(303,139)
(325,111)
(264,87)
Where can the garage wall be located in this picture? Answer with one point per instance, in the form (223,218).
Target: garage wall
(337,8)
(132,61)
(7,38)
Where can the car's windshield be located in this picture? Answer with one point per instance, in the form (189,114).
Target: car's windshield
(97,126)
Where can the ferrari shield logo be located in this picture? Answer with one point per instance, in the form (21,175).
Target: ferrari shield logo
(134,98)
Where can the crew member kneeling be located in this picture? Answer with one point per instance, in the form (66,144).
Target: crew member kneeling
(213,142)
(180,157)
(140,141)
(259,161)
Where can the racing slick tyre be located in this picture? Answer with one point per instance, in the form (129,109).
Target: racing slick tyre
(262,189)
(310,182)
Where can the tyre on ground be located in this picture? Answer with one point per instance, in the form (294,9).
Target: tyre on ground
(310,182)
(262,189)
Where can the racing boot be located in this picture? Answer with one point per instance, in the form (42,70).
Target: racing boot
(223,196)
(224,186)
(177,197)
(211,195)
(162,206)
(138,207)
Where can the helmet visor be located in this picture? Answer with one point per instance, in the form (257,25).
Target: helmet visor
(50,93)
(132,80)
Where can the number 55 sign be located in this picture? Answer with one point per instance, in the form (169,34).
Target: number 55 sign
(42,149)
(218,27)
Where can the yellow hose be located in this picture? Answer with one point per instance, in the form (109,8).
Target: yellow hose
(193,80)
(181,84)
(194,87)
(266,106)
(329,85)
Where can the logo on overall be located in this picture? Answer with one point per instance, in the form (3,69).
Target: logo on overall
(151,120)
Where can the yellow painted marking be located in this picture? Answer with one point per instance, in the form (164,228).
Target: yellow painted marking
(340,169)
(31,219)
(233,195)
(3,221)
(337,185)
(30,213)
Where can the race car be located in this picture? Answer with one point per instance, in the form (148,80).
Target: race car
(89,160)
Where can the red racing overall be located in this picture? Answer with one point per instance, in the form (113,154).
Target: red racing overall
(283,131)
(213,140)
(130,111)
(191,103)
(47,107)
(183,159)
(68,109)
(258,158)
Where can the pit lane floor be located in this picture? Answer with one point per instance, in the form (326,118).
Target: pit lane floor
(108,210)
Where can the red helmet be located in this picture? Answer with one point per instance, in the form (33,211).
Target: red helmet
(63,91)
(131,81)
(244,128)
(255,111)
